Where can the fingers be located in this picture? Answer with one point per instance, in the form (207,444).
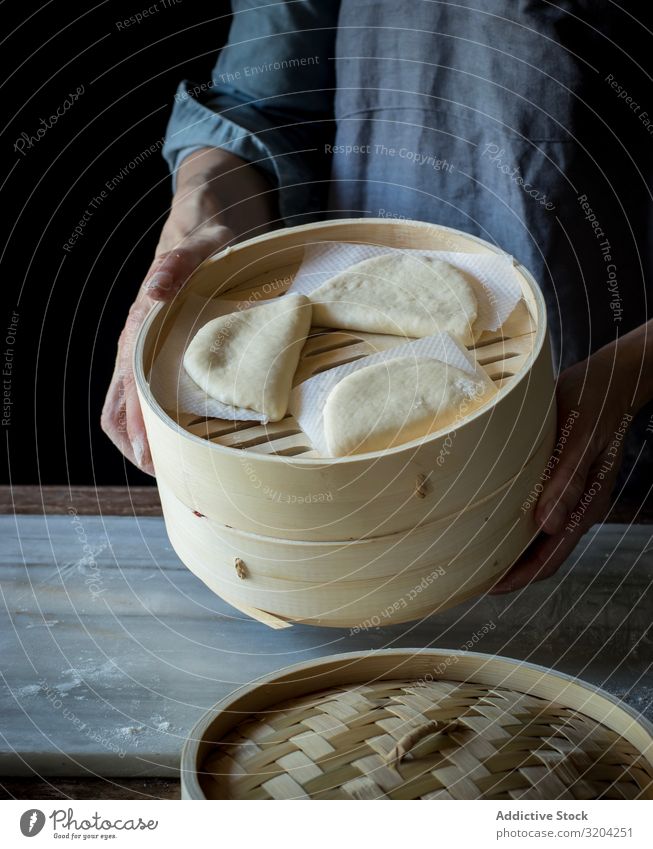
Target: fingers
(541,560)
(169,272)
(114,418)
(136,426)
(564,491)
(565,487)
(122,421)
(121,417)
(590,402)
(547,553)
(172,268)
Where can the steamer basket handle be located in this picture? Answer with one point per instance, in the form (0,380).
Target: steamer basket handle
(408,741)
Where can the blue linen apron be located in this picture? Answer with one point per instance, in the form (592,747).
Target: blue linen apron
(509,120)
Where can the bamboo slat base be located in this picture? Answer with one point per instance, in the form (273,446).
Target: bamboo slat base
(502,354)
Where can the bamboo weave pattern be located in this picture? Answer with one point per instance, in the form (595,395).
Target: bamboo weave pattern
(339,744)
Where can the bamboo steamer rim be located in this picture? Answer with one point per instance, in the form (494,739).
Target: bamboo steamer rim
(146,394)
(355,668)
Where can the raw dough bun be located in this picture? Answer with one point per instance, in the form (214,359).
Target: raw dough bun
(401,295)
(248,358)
(392,402)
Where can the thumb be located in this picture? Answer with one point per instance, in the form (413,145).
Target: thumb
(172,268)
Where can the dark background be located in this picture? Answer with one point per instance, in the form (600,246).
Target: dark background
(72,306)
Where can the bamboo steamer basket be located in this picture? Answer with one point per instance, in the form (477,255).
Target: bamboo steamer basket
(421,724)
(285,535)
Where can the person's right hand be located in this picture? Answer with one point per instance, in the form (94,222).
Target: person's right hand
(195,229)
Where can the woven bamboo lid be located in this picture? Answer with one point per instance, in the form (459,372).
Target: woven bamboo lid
(428,738)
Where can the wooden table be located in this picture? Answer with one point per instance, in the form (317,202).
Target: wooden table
(111,649)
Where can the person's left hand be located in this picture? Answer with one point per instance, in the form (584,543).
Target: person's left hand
(594,400)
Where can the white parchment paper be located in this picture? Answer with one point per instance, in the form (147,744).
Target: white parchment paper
(307,400)
(493,276)
(497,290)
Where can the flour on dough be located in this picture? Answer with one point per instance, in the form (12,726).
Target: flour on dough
(395,401)
(401,295)
(248,358)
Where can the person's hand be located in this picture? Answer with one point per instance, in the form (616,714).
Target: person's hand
(196,227)
(596,400)
(185,242)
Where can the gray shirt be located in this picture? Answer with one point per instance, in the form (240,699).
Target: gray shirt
(524,123)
